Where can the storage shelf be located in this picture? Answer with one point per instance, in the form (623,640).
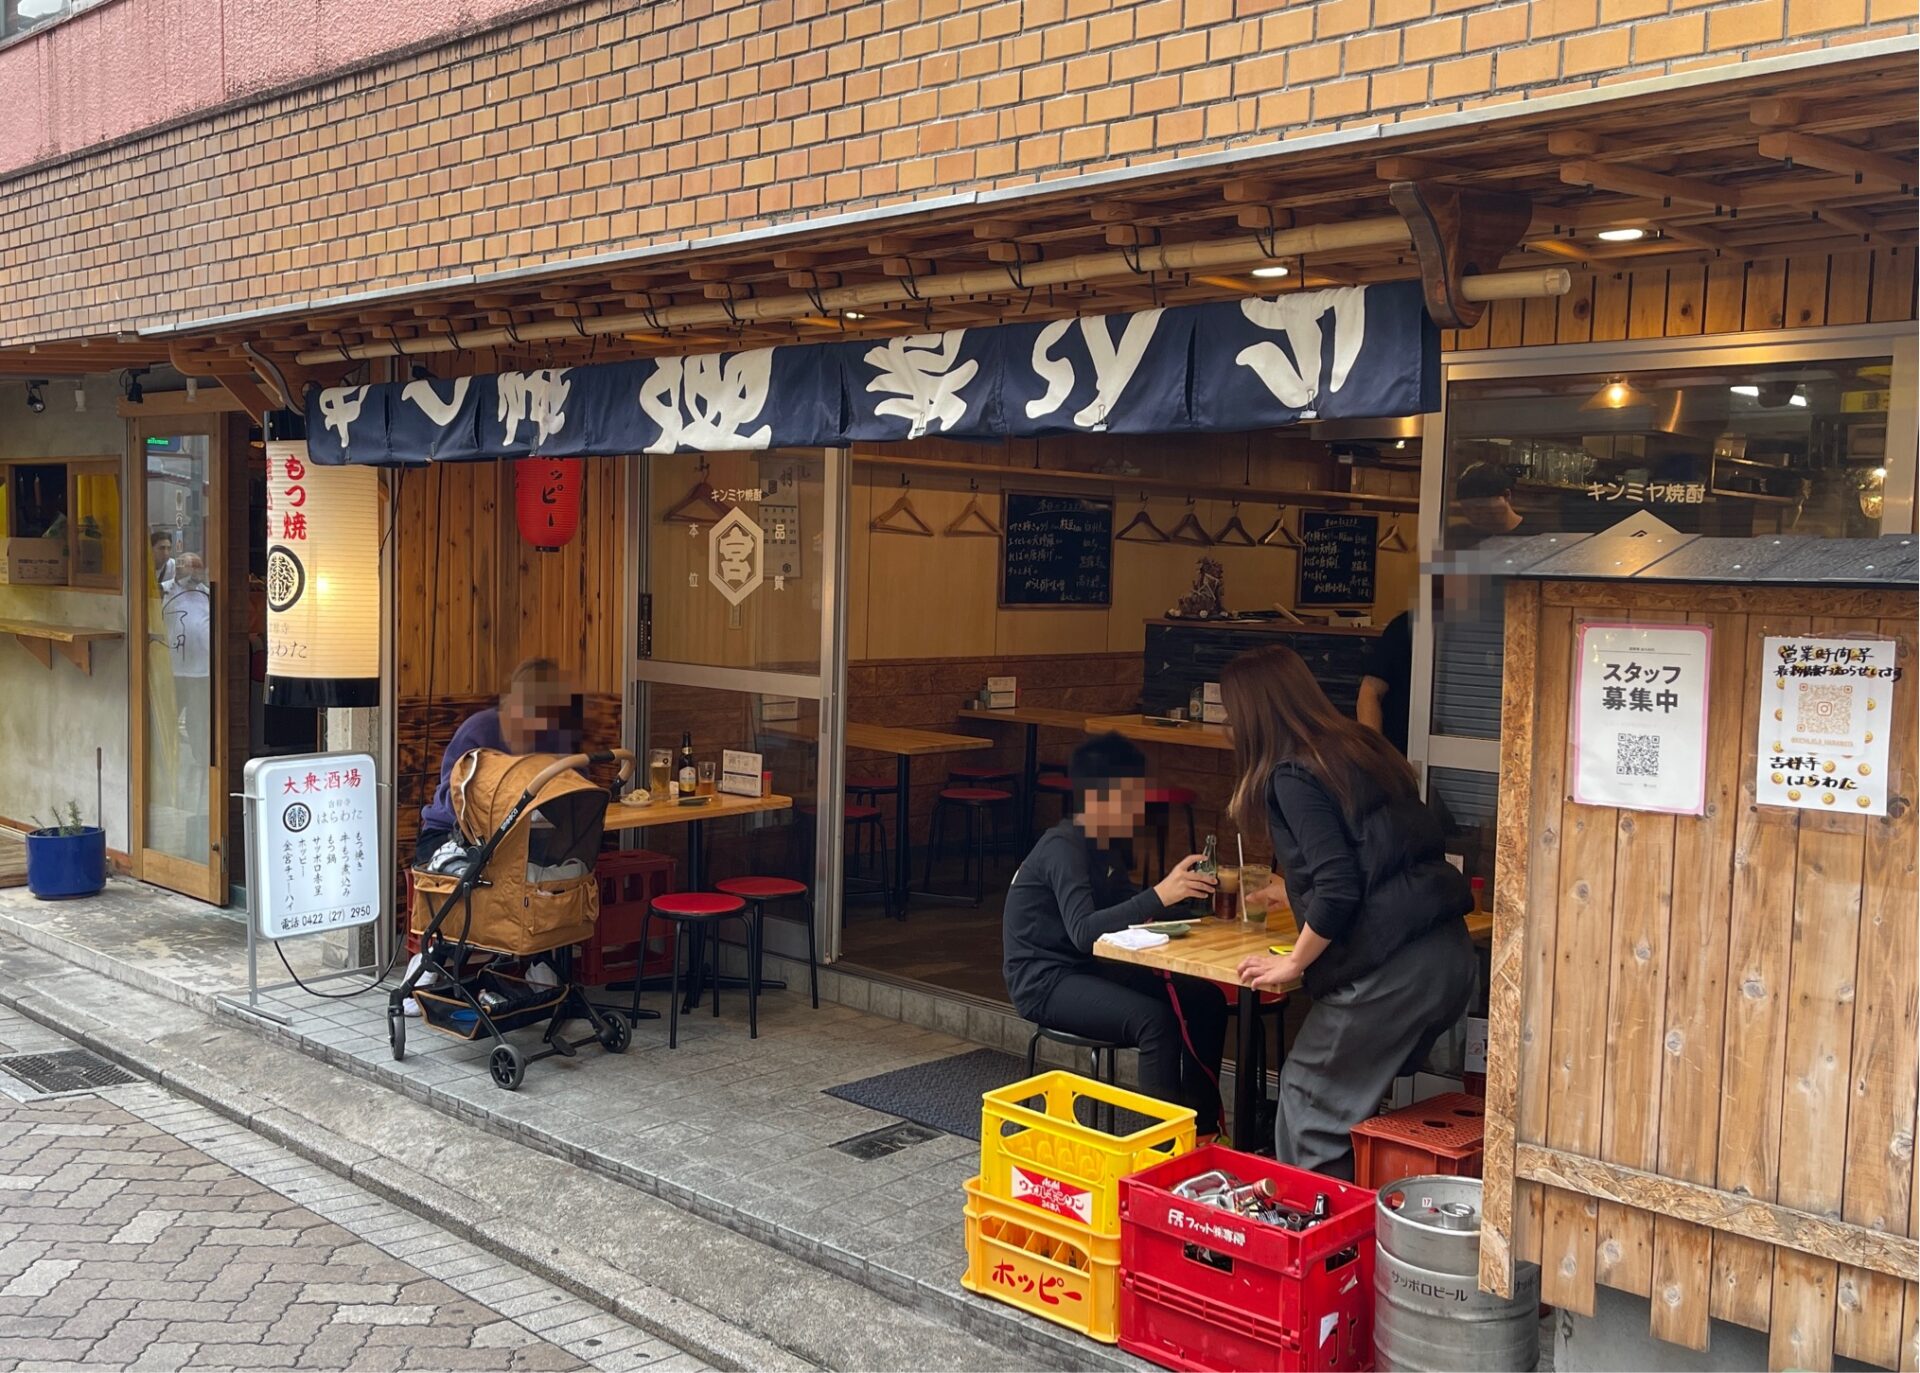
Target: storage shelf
(73,642)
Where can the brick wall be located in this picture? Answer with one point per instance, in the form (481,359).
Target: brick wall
(609,126)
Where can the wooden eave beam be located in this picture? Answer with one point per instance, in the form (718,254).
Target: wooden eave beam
(1830,155)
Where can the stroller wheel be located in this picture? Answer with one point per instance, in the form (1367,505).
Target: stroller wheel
(615,1033)
(506,1066)
(397,1032)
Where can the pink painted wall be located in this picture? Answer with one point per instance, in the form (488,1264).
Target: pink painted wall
(128,65)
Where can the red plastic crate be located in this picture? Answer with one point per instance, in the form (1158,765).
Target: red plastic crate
(629,880)
(1442,1135)
(1204,1290)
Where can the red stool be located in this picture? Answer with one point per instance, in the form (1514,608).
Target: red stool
(696,912)
(758,892)
(977,775)
(972,800)
(1160,804)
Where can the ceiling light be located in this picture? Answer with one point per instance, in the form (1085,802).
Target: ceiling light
(1797,399)
(35,401)
(1265,273)
(851,314)
(1745,390)
(1621,235)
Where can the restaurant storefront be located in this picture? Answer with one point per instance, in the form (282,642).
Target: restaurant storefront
(839,477)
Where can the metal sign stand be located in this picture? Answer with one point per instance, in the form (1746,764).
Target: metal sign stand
(383,928)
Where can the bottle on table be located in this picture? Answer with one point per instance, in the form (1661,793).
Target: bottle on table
(1206,867)
(688,773)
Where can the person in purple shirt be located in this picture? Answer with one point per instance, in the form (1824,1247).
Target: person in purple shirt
(538,713)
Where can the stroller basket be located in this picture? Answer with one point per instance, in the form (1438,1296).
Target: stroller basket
(520,1003)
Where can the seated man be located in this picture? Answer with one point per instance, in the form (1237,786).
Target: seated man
(1071,890)
(537,714)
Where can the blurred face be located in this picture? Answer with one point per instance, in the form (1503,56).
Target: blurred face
(189,570)
(535,707)
(162,550)
(1114,810)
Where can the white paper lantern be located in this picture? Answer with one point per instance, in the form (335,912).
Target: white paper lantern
(323,581)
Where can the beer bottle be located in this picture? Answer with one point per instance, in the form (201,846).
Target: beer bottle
(1203,905)
(689,775)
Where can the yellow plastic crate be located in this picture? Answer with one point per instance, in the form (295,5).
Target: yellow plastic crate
(1039,1157)
(1028,1259)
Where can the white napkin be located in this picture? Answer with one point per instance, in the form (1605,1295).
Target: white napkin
(1134,939)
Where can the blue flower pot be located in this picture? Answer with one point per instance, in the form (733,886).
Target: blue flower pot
(65,865)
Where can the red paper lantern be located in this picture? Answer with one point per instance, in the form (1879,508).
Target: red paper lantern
(547,498)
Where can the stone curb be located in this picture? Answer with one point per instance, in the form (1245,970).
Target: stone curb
(580,1273)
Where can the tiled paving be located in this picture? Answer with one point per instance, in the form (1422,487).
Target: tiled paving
(139,1230)
(736,1130)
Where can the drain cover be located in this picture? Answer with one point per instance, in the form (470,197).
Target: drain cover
(889,1139)
(70,1070)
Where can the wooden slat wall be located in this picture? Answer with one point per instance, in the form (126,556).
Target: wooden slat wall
(1870,286)
(1727,1001)
(472,598)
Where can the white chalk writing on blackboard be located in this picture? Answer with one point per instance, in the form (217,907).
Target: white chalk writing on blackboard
(1056,551)
(1338,558)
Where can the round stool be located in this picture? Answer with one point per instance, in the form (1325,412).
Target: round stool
(692,912)
(1160,804)
(757,892)
(1098,1050)
(980,775)
(1056,784)
(973,801)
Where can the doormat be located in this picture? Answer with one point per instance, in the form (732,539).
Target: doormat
(944,1094)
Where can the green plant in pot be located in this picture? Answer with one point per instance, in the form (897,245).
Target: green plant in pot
(67,858)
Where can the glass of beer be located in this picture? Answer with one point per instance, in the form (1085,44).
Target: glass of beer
(659,772)
(1226,894)
(706,779)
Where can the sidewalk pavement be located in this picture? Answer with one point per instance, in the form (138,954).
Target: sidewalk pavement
(736,1131)
(141,1231)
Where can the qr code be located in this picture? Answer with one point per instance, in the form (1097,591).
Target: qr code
(1636,755)
(1826,708)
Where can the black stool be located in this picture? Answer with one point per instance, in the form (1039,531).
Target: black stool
(1095,1049)
(972,800)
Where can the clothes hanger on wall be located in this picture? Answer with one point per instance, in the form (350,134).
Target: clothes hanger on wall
(1278,535)
(1233,532)
(983,527)
(1190,530)
(1151,532)
(1394,542)
(701,504)
(901,509)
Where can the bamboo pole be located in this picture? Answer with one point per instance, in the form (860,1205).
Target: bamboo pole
(1052,476)
(1209,256)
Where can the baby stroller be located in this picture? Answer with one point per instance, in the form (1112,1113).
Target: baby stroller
(525,886)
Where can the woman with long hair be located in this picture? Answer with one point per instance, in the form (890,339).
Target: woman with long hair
(1382,946)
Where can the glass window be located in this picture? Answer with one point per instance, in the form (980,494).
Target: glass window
(735,564)
(1731,451)
(181,647)
(1794,448)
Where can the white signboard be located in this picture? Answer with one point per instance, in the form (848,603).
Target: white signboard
(313,861)
(736,557)
(1826,710)
(1640,717)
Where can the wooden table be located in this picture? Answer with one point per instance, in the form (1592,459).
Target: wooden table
(1142,729)
(1213,952)
(905,744)
(1033,717)
(624,815)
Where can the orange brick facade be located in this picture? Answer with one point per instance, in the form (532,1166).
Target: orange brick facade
(605,127)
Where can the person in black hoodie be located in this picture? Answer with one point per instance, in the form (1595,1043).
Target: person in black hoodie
(1382,946)
(1071,890)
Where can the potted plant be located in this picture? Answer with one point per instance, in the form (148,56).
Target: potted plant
(66,859)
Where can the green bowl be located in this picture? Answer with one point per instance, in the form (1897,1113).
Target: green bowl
(1172,929)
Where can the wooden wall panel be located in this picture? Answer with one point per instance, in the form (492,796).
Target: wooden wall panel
(1729,1005)
(1716,298)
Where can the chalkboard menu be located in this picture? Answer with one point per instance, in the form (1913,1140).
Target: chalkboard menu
(1057,550)
(1338,556)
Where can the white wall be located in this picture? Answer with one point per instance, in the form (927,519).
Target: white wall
(51,721)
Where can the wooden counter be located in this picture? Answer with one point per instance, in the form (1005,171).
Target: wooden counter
(1181,734)
(623,815)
